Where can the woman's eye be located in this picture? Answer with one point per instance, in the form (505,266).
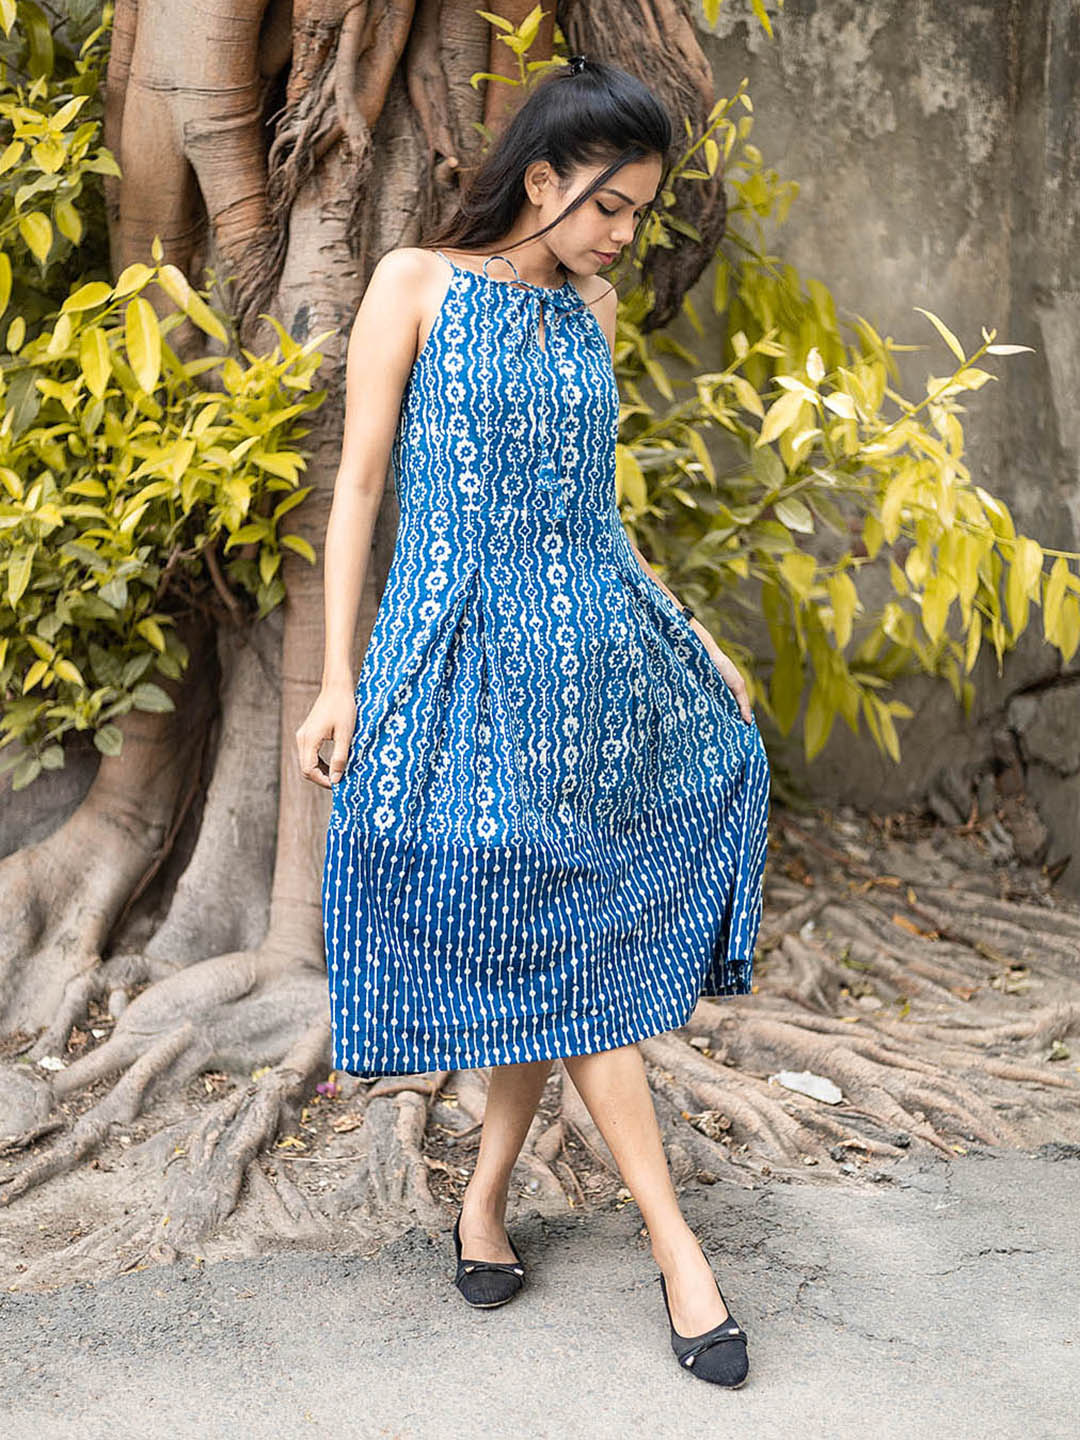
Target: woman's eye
(603,209)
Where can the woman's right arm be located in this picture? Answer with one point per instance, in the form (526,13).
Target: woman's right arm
(381,350)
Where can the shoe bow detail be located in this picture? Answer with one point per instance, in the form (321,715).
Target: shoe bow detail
(723,1331)
(507,1265)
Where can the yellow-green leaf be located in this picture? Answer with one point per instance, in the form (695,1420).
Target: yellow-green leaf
(96,292)
(1070,628)
(34,674)
(945,333)
(175,284)
(49,154)
(68,221)
(95,359)
(844,598)
(131,278)
(67,113)
(780,416)
(937,596)
(150,630)
(974,640)
(143,340)
(888,730)
(1028,560)
(198,311)
(1054,594)
(5,280)
(748,397)
(36,229)
(67,670)
(873,535)
(798,569)
(629,479)
(300,545)
(11,155)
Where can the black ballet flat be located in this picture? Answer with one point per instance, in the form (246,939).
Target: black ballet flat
(487,1283)
(708,1356)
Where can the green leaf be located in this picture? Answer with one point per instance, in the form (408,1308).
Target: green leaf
(20,564)
(109,739)
(819,721)
(795,514)
(152,698)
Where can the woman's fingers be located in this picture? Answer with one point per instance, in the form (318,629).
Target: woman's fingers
(732,676)
(337,761)
(325,722)
(311,767)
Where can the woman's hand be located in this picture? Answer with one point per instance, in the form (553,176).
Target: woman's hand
(332,717)
(728,669)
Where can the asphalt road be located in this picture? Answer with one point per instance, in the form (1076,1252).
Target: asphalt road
(941,1304)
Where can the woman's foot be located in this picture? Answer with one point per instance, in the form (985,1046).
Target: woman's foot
(693,1296)
(482,1228)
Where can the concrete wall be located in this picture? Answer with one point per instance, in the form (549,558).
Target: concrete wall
(936,144)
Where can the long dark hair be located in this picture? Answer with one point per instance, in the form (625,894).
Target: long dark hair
(580,114)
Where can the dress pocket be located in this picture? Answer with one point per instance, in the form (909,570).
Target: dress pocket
(675,628)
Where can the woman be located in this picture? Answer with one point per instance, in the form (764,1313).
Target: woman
(547,830)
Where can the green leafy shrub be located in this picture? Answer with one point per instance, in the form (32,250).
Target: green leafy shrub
(52,221)
(123,475)
(821,468)
(135,487)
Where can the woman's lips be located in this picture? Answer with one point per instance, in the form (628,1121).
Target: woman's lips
(606,255)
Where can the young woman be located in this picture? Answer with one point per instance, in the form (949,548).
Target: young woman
(548,823)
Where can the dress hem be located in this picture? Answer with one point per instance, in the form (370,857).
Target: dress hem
(450,1062)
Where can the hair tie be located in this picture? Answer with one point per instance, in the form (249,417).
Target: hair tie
(577,64)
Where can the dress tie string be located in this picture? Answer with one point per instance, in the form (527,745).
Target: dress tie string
(543,301)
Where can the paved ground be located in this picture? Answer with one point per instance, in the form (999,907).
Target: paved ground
(940,1305)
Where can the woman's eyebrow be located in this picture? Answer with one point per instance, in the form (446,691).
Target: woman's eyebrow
(610,190)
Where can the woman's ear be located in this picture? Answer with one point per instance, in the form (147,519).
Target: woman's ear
(539,180)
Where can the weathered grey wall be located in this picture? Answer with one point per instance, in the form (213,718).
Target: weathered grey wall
(936,144)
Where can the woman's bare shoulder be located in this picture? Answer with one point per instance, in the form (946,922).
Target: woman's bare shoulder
(598,293)
(408,265)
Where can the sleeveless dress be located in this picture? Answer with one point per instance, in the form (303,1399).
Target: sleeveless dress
(550,834)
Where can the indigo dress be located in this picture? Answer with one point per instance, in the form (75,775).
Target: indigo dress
(550,834)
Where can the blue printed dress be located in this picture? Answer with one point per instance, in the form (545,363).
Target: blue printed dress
(550,834)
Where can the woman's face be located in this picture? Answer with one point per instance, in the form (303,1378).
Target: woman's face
(593,236)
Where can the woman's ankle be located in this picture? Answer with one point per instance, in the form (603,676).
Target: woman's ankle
(482,1199)
(674,1245)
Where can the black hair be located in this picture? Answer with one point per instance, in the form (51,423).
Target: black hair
(579,114)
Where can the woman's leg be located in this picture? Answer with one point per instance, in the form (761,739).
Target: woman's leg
(615,1089)
(513,1094)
